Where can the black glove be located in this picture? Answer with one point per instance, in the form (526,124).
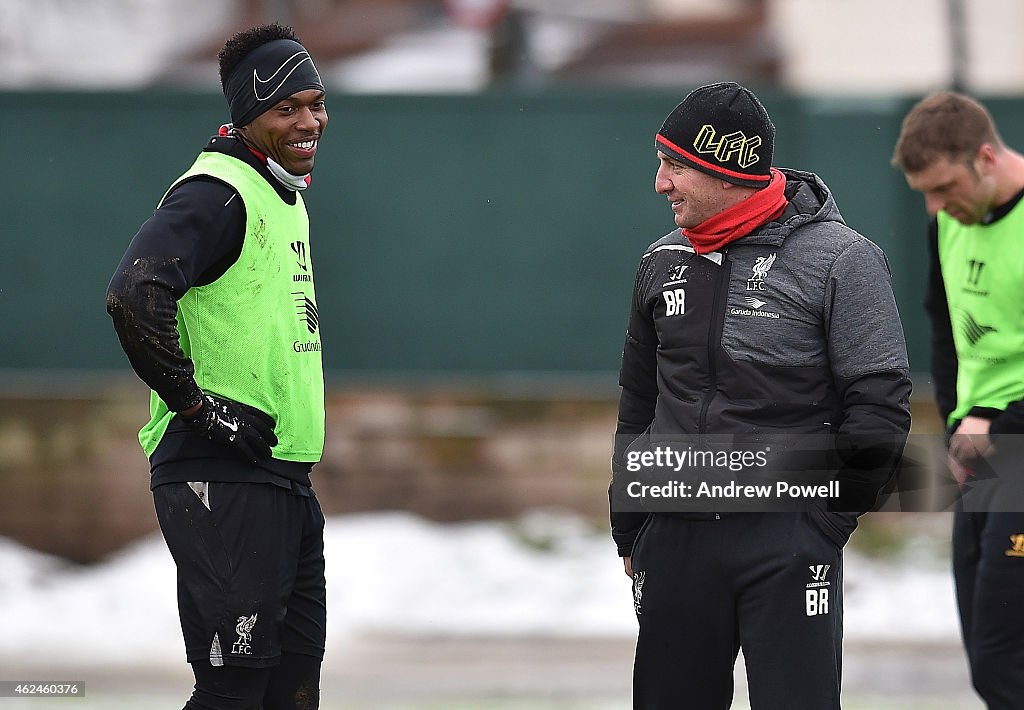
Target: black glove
(245,429)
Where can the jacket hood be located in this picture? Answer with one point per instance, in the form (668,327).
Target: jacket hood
(810,200)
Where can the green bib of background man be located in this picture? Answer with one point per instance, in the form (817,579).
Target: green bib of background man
(982,267)
(253,334)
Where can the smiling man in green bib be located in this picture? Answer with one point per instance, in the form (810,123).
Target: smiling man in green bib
(214,304)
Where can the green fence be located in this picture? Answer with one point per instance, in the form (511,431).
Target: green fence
(452,235)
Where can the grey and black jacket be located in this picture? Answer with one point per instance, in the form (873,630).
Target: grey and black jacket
(790,329)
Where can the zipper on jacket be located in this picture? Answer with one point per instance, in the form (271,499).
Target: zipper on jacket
(715,341)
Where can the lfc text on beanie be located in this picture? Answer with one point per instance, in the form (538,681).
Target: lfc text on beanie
(722,130)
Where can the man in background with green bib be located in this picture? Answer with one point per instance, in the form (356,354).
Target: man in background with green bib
(972,183)
(214,304)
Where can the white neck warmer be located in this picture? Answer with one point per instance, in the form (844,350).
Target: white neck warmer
(295,183)
(292,182)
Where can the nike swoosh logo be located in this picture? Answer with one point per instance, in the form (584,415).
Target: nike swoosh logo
(233,426)
(259,84)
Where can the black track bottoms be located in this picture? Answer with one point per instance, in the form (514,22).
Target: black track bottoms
(771,583)
(250,560)
(293,684)
(988,564)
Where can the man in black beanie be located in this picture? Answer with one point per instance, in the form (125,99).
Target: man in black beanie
(215,307)
(763,320)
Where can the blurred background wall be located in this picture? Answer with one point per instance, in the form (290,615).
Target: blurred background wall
(482,198)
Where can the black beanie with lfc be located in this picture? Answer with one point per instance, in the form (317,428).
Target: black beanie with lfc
(722,130)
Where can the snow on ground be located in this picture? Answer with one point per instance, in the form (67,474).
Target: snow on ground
(546,574)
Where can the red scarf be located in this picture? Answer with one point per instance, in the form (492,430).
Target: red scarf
(741,219)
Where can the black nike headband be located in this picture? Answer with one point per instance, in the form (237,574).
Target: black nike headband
(270,73)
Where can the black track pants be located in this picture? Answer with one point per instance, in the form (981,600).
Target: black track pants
(293,684)
(988,565)
(770,583)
